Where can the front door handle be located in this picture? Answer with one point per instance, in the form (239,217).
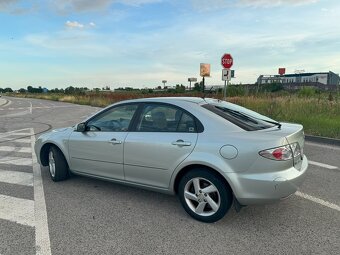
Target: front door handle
(181,143)
(115,141)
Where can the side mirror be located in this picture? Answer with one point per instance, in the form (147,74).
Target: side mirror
(81,127)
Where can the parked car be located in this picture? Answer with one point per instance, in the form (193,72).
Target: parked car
(209,152)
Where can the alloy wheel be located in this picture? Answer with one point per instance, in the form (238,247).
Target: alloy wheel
(51,163)
(202,196)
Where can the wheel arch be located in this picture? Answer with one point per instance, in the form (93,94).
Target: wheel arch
(45,150)
(188,168)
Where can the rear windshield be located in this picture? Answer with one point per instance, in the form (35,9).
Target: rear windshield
(240,116)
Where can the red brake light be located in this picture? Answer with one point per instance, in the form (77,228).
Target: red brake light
(278,153)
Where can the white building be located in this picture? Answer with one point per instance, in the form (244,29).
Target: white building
(326,78)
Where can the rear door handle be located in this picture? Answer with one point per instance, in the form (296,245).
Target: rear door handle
(115,141)
(181,143)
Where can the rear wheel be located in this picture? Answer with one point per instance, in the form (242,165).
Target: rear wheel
(57,164)
(204,195)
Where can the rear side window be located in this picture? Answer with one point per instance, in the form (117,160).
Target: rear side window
(242,119)
(165,118)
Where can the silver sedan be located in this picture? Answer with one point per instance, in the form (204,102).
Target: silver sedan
(211,153)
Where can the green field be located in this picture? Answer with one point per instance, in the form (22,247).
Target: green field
(318,113)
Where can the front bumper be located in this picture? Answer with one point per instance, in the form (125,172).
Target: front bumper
(267,187)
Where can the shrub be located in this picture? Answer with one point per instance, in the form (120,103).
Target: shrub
(307,92)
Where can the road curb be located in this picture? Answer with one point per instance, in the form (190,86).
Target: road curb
(3,99)
(320,139)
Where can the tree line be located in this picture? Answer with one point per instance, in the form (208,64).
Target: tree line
(82,90)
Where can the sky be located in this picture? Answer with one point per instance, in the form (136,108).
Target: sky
(139,43)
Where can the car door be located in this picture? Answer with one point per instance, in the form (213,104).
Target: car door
(164,136)
(99,150)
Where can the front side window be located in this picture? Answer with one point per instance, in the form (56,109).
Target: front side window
(116,119)
(165,118)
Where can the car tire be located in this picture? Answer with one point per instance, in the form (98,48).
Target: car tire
(57,165)
(204,196)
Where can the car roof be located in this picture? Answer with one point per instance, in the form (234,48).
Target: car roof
(196,100)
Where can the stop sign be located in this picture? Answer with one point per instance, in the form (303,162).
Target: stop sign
(227,60)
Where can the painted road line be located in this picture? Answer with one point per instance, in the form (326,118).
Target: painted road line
(17,108)
(17,210)
(318,201)
(42,237)
(337,148)
(322,165)
(34,107)
(16,131)
(14,177)
(19,140)
(16,149)
(5,102)
(16,161)
(14,134)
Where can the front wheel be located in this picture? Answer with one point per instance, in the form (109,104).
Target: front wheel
(57,164)
(204,196)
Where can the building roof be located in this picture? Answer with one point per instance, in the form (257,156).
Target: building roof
(302,74)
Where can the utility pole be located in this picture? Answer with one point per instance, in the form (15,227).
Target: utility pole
(203,80)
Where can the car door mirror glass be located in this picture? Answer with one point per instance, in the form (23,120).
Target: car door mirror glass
(81,127)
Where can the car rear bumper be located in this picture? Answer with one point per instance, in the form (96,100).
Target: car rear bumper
(267,187)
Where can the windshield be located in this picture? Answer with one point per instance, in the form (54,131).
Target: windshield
(240,116)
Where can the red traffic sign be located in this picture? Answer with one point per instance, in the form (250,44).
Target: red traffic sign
(227,61)
(282,71)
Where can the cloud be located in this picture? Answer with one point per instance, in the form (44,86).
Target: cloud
(6,4)
(205,5)
(78,25)
(73,24)
(91,5)
(269,3)
(18,7)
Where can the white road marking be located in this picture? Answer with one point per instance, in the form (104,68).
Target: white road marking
(321,164)
(15,131)
(42,238)
(7,102)
(30,107)
(16,149)
(20,140)
(323,146)
(17,210)
(14,177)
(318,201)
(37,107)
(16,161)
(14,134)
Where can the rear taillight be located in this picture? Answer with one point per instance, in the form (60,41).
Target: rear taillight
(296,149)
(282,153)
(279,153)
(297,152)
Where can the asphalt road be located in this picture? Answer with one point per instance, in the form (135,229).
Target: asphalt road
(88,216)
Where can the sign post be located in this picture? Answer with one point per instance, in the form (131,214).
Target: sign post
(227,62)
(191,80)
(164,82)
(226,77)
